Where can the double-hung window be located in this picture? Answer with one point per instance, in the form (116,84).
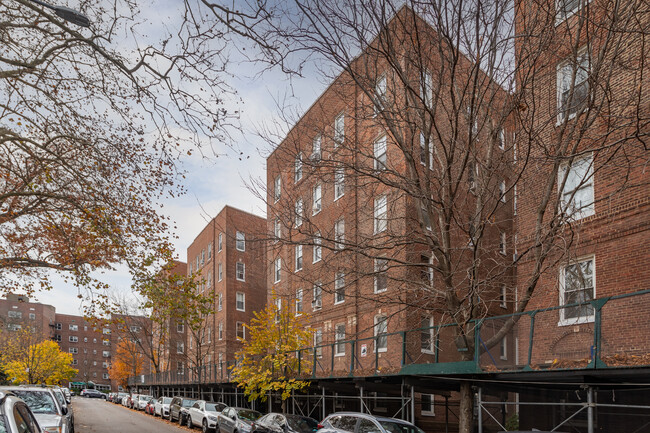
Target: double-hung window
(317,252)
(339,288)
(572,86)
(381,333)
(241,301)
(277,269)
(379,148)
(381,93)
(298,302)
(577,194)
(566,8)
(316,148)
(317,199)
(317,302)
(277,188)
(277,229)
(381,275)
(318,340)
(298,211)
(339,183)
(426,89)
(339,129)
(339,338)
(241,271)
(298,258)
(241,241)
(297,168)
(577,286)
(426,334)
(339,234)
(381,214)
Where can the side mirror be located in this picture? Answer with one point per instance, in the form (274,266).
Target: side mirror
(234,418)
(64,410)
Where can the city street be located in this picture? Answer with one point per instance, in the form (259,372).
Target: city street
(98,416)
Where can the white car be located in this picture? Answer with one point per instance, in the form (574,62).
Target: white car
(205,414)
(142,401)
(161,407)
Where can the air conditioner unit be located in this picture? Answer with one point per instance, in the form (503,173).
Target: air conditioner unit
(316,303)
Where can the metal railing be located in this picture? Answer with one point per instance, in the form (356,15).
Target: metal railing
(611,332)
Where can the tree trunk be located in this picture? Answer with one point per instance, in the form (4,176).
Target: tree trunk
(284,406)
(466,411)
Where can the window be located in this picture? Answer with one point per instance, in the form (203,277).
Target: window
(15,314)
(381,90)
(297,168)
(106,354)
(503,299)
(241,271)
(277,188)
(503,348)
(502,191)
(572,95)
(57,337)
(209,281)
(202,257)
(73,338)
(381,275)
(241,301)
(104,375)
(381,214)
(277,229)
(381,333)
(339,234)
(181,368)
(577,195)
(298,257)
(426,334)
(316,148)
(180,347)
(317,302)
(298,301)
(278,309)
(339,183)
(134,328)
(277,268)
(241,241)
(317,251)
(566,8)
(318,340)
(58,326)
(73,327)
(426,156)
(502,243)
(426,91)
(219,272)
(220,302)
(73,350)
(379,148)
(472,175)
(577,287)
(317,204)
(209,250)
(106,331)
(427,269)
(501,138)
(190,269)
(339,129)
(426,405)
(220,329)
(298,210)
(241,331)
(106,342)
(220,242)
(339,338)
(339,288)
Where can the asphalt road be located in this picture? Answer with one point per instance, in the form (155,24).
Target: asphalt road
(92,415)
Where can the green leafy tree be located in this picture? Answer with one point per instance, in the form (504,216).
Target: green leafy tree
(268,362)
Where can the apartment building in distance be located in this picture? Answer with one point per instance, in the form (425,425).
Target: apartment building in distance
(228,258)
(17,312)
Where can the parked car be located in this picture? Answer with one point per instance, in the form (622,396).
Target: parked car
(92,393)
(279,423)
(67,394)
(141,402)
(119,397)
(15,415)
(204,414)
(237,419)
(131,400)
(178,408)
(69,414)
(161,407)
(340,422)
(148,409)
(51,417)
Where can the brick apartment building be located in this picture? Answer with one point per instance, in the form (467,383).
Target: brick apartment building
(228,258)
(17,312)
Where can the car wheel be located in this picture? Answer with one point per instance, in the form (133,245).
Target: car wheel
(180,419)
(217,429)
(189,422)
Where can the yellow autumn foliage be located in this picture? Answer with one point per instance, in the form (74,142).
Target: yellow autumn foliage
(40,363)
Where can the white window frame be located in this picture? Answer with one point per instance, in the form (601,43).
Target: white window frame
(339,234)
(339,288)
(298,208)
(240,325)
(317,250)
(381,214)
(240,271)
(240,301)
(501,139)
(277,230)
(73,327)
(240,241)
(502,191)
(381,93)
(585,183)
(564,74)
(339,130)
(180,328)
(427,412)
(220,302)
(381,267)
(380,152)
(381,321)
(503,301)
(426,88)
(73,350)
(339,182)
(429,333)
(317,296)
(277,270)
(503,348)
(317,199)
(299,298)
(73,339)
(339,339)
(316,152)
(564,321)
(277,189)
(220,242)
(297,168)
(220,271)
(318,340)
(220,331)
(503,246)
(562,15)
(298,258)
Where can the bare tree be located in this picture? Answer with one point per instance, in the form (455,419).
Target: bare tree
(461,112)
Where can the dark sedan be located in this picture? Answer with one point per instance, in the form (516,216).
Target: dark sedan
(92,393)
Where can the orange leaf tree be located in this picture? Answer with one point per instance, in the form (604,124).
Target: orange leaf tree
(127,362)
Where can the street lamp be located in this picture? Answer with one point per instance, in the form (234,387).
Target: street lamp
(68,14)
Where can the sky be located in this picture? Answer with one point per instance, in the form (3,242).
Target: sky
(213,182)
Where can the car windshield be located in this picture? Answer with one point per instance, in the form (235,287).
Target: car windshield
(249,415)
(214,407)
(3,427)
(188,403)
(38,401)
(398,427)
(301,424)
(145,397)
(166,400)
(59,397)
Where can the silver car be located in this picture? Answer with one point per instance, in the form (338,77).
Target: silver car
(340,422)
(45,407)
(142,401)
(15,415)
(237,419)
(204,414)
(161,407)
